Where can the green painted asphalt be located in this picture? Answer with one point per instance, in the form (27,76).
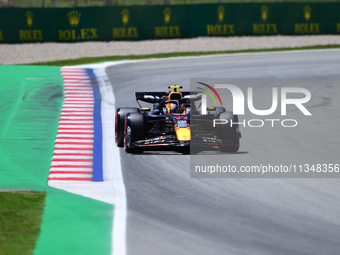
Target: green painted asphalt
(31,99)
(74,224)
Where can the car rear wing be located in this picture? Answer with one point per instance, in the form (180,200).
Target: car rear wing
(150,97)
(157,97)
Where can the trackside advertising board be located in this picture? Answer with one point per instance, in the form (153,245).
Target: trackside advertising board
(24,25)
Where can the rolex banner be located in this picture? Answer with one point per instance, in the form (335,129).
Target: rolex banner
(312,19)
(124,23)
(23,25)
(263,19)
(76,25)
(216,20)
(166,21)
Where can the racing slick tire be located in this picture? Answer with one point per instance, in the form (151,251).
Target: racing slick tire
(120,122)
(229,135)
(134,131)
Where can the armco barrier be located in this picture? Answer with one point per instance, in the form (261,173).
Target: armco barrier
(173,21)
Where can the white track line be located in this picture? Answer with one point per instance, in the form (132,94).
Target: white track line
(111,161)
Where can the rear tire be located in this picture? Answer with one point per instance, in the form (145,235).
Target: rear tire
(134,131)
(228,134)
(120,122)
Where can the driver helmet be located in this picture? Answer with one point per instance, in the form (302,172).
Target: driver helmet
(172,108)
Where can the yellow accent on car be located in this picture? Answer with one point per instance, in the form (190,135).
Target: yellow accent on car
(183,134)
(175,96)
(175,87)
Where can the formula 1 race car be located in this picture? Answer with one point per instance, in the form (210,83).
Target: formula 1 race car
(175,123)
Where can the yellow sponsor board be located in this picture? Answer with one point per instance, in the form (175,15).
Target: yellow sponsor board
(1,38)
(125,32)
(30,35)
(265,28)
(167,31)
(78,34)
(307,28)
(220,29)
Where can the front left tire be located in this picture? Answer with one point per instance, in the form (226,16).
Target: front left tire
(120,122)
(135,130)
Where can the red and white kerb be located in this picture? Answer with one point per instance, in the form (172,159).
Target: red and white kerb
(73,150)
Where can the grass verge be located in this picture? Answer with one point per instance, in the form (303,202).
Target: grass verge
(88,60)
(20,219)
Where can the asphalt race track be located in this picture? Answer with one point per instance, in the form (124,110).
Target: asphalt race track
(171,213)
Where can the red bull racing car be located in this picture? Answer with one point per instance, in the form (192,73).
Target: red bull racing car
(175,123)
